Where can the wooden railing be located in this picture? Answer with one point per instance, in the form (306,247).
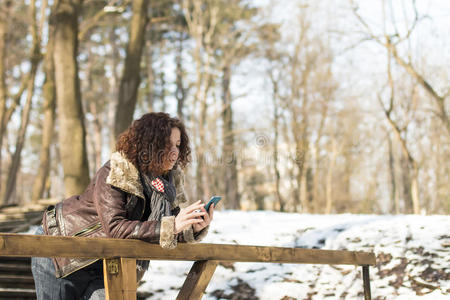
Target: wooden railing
(119,257)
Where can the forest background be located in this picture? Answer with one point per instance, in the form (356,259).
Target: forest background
(299,106)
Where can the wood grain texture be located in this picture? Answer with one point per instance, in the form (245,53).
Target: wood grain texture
(52,246)
(197,280)
(366,283)
(121,285)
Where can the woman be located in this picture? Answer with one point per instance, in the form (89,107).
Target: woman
(135,195)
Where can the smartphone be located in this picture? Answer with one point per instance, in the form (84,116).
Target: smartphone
(215,200)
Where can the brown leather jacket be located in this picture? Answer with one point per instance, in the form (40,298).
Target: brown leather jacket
(112,206)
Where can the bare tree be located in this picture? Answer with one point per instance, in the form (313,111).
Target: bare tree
(302,61)
(35,58)
(72,132)
(411,162)
(394,208)
(276,128)
(7,49)
(113,80)
(391,41)
(3,88)
(232,45)
(130,81)
(49,95)
(269,36)
(181,90)
(329,176)
(201,20)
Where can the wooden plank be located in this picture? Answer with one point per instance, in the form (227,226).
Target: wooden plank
(366,282)
(120,278)
(10,259)
(16,281)
(57,246)
(18,268)
(197,280)
(7,293)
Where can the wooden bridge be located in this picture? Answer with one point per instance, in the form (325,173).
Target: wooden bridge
(119,257)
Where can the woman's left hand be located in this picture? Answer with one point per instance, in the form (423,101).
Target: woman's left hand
(207,218)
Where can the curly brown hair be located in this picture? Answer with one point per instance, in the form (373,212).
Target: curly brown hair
(146,143)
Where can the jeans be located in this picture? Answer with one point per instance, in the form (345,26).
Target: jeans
(86,283)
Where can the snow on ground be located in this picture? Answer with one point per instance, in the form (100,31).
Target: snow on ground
(413,258)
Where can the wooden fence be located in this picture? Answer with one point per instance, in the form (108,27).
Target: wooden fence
(119,257)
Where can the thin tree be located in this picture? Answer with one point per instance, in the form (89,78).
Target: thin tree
(131,79)
(49,95)
(269,35)
(276,128)
(7,49)
(202,20)
(411,162)
(35,59)
(3,89)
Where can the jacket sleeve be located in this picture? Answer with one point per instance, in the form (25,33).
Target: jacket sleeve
(188,235)
(110,205)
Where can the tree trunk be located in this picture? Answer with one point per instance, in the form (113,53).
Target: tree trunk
(315,157)
(415,188)
(35,58)
(94,139)
(394,204)
(113,90)
(411,164)
(329,178)
(16,158)
(49,95)
(317,205)
(180,92)
(439,170)
(202,167)
(228,150)
(305,142)
(275,144)
(97,137)
(310,186)
(4,12)
(130,81)
(289,204)
(72,132)
(150,77)
(347,176)
(201,27)
(162,99)
(406,185)
(300,161)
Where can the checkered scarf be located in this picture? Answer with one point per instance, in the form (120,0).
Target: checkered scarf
(161,194)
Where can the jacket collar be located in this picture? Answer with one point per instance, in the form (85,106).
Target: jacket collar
(124,175)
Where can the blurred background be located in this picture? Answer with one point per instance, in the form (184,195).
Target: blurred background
(297,106)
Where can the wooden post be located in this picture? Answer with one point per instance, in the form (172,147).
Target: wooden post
(366,282)
(197,280)
(120,278)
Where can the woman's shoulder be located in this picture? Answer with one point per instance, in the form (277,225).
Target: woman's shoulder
(122,174)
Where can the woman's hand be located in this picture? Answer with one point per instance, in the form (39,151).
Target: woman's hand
(206,220)
(190,215)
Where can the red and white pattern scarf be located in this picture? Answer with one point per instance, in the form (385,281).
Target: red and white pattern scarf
(158,184)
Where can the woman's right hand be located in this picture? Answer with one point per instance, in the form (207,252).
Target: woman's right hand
(189,215)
